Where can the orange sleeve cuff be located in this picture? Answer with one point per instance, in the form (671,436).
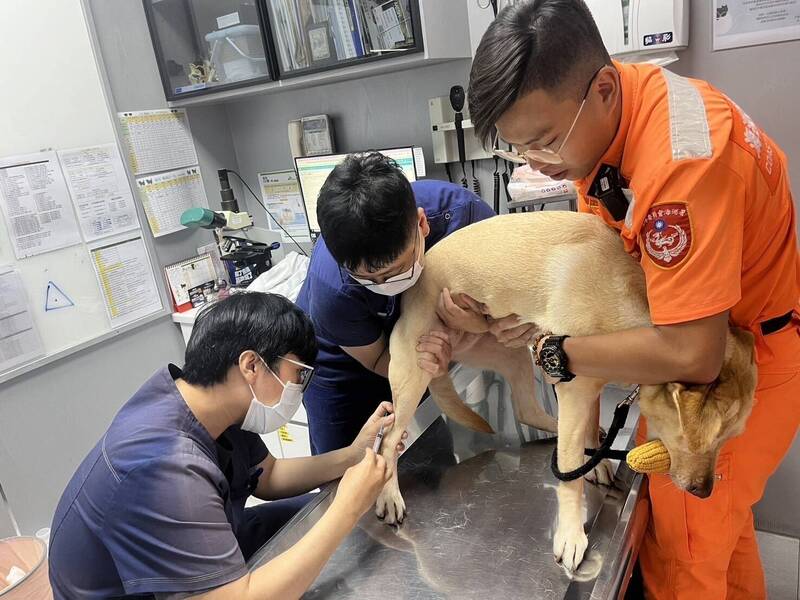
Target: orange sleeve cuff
(673,316)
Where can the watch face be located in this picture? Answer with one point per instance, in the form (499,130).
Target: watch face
(550,360)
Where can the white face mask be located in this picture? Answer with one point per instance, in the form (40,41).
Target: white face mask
(263,419)
(394,285)
(397,284)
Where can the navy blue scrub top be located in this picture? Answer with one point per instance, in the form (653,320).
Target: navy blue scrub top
(350,315)
(156,505)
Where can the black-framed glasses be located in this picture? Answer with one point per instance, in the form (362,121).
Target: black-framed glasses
(305,373)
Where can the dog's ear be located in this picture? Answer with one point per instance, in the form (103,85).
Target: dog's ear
(711,422)
(674,391)
(693,417)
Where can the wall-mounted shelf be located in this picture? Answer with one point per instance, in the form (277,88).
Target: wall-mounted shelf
(436,31)
(358,71)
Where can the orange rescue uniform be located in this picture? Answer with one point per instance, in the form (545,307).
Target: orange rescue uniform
(712,221)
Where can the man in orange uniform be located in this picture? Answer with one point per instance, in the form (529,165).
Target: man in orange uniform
(700,195)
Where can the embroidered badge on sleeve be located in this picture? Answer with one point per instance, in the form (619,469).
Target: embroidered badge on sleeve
(667,234)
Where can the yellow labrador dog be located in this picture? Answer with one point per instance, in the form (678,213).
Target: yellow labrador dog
(564,271)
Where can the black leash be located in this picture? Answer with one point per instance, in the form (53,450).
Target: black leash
(604,451)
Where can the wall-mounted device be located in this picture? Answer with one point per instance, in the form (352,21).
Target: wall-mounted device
(629,26)
(314,170)
(311,136)
(457,99)
(444,132)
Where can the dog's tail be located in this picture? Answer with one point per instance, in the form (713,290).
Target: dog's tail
(445,395)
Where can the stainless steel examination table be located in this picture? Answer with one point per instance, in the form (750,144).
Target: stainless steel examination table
(481,516)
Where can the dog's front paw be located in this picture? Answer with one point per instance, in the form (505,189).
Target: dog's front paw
(602,474)
(569,546)
(390,505)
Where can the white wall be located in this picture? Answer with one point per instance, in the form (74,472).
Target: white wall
(51,96)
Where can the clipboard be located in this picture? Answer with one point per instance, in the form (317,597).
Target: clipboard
(190,280)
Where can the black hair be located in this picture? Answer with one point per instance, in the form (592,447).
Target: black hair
(366,211)
(534,44)
(268,324)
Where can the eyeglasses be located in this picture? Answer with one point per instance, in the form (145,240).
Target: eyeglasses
(401,277)
(306,373)
(543,155)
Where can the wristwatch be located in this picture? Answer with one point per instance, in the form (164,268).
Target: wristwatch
(552,358)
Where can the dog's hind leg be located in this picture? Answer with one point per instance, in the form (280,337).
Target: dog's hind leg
(575,401)
(516,367)
(520,377)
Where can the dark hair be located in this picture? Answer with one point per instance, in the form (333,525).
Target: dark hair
(268,324)
(531,45)
(366,211)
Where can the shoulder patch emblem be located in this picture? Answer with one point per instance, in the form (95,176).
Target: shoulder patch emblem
(667,234)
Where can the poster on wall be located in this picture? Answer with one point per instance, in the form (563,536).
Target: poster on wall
(281,194)
(739,23)
(35,201)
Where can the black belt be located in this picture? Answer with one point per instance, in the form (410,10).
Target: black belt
(776,324)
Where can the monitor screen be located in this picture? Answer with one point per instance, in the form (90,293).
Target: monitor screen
(312,171)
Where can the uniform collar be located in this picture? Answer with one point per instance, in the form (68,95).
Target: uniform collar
(189,423)
(614,153)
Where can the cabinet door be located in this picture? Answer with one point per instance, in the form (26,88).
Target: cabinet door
(318,35)
(206,45)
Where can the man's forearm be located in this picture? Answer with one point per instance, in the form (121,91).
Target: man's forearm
(294,476)
(643,356)
(290,574)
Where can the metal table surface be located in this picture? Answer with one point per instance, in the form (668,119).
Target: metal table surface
(481,518)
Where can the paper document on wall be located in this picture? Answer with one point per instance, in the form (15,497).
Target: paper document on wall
(158,140)
(100,190)
(740,23)
(419,161)
(19,339)
(280,192)
(36,204)
(126,279)
(166,196)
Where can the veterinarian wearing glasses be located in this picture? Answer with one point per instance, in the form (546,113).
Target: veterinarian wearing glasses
(157,508)
(700,195)
(376,227)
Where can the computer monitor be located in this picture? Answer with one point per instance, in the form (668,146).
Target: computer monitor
(312,171)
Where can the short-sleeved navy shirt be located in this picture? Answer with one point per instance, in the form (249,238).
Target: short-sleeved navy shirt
(156,505)
(351,315)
